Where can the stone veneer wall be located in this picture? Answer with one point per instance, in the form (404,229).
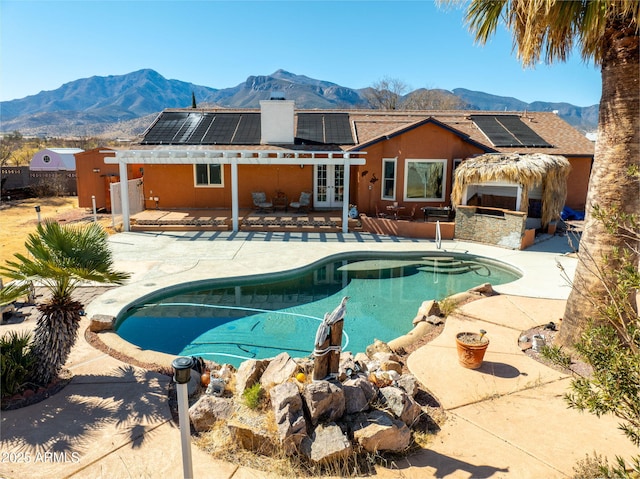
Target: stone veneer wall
(506,230)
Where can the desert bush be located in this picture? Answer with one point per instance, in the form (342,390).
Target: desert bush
(17,361)
(253,396)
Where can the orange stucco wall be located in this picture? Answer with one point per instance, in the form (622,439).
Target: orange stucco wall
(174,185)
(428,141)
(96,183)
(578,183)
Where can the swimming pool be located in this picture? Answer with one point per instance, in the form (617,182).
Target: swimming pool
(234,319)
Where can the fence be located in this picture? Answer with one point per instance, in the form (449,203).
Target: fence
(136,199)
(17,179)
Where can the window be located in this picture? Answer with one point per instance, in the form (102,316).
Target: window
(424,180)
(389,178)
(46,158)
(208,175)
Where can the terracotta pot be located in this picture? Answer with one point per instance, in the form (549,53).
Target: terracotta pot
(471,349)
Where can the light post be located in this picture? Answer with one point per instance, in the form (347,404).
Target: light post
(38,212)
(181,375)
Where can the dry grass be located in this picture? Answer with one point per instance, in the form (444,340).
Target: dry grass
(19,218)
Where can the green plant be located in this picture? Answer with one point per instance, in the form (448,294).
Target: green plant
(611,342)
(556,355)
(597,467)
(447,306)
(17,361)
(253,396)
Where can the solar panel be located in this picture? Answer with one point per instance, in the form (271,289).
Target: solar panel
(165,129)
(310,127)
(222,128)
(327,128)
(202,129)
(248,130)
(508,131)
(338,129)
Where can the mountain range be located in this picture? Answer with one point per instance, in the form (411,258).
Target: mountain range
(125,105)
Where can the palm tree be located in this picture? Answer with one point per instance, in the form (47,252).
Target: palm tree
(61,258)
(606,32)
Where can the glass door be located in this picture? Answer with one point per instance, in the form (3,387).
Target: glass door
(329,186)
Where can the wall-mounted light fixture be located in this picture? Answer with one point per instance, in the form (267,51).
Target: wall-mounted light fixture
(96,170)
(301,166)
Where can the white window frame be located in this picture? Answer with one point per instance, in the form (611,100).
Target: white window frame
(208,185)
(444,180)
(395,179)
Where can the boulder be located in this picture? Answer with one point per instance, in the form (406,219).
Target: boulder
(377,346)
(391,366)
(358,394)
(409,384)
(207,410)
(327,444)
(249,373)
(279,370)
(379,431)
(289,415)
(253,437)
(324,400)
(101,322)
(428,308)
(400,404)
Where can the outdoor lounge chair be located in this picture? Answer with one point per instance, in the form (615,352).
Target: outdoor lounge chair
(260,201)
(304,203)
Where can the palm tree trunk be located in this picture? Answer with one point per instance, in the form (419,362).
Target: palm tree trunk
(612,185)
(54,336)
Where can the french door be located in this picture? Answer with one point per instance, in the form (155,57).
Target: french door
(329,186)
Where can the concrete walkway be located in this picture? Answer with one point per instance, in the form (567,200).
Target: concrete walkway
(506,420)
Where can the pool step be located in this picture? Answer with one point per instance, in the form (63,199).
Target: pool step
(451,268)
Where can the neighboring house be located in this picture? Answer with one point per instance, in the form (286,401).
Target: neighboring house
(215,158)
(54,159)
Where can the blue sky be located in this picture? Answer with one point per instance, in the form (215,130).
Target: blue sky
(44,44)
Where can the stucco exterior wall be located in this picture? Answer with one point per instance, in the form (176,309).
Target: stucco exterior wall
(428,141)
(96,183)
(578,183)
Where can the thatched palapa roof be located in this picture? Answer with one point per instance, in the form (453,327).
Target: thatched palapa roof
(550,171)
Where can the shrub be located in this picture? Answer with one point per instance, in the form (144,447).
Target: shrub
(253,396)
(17,361)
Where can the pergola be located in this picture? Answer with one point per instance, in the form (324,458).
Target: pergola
(233,158)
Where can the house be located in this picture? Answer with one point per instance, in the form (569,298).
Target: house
(215,158)
(54,159)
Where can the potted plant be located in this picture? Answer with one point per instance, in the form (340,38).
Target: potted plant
(471,348)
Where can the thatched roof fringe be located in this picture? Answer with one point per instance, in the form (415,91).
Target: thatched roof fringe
(531,170)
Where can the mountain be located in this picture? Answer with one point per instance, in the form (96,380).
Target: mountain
(119,105)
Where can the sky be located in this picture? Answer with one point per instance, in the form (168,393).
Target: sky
(218,44)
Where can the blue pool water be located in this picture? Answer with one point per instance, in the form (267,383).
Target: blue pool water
(232,320)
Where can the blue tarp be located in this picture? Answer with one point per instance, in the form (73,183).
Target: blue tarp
(569,214)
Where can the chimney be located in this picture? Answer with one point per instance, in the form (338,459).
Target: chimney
(276,120)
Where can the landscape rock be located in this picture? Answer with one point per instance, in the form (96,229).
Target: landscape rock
(377,346)
(253,437)
(484,289)
(409,384)
(391,366)
(279,370)
(289,415)
(101,322)
(400,404)
(358,394)
(207,410)
(428,308)
(327,444)
(379,431)
(249,373)
(324,400)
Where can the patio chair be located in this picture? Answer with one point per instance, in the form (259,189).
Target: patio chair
(303,203)
(260,201)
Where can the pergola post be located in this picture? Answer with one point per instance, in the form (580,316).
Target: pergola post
(124,195)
